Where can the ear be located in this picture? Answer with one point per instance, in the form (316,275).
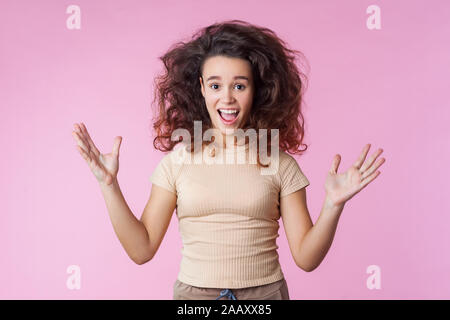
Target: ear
(202,87)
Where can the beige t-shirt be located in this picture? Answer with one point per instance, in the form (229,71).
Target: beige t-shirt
(228,216)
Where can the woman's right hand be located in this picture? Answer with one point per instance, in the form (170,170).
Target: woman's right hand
(103,166)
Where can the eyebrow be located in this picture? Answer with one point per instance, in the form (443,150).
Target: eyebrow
(219,78)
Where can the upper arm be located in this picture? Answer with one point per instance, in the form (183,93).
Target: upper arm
(296,220)
(157,215)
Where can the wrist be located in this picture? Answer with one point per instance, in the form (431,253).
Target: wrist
(112,185)
(329,203)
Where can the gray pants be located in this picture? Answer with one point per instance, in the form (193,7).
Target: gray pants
(273,291)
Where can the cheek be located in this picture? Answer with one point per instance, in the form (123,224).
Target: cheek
(211,98)
(247,102)
(211,106)
(210,103)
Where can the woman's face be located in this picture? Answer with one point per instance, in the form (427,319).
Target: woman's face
(227,83)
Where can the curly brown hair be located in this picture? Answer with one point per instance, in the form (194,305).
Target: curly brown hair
(279,84)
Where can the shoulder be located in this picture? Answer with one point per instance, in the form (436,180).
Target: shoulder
(286,160)
(172,162)
(168,169)
(291,176)
(288,164)
(175,157)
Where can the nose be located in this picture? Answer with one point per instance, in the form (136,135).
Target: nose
(228,95)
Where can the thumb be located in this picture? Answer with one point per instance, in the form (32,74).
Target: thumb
(116,146)
(336,162)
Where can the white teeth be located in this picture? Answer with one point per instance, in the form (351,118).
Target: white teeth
(228,111)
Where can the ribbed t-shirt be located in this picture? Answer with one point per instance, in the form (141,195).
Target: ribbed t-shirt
(228,215)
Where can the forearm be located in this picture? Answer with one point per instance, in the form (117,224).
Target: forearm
(131,232)
(317,241)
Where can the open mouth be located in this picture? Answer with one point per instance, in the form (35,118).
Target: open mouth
(228,117)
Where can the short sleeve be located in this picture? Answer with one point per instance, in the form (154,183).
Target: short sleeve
(291,176)
(163,174)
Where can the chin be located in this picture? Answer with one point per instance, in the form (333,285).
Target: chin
(228,130)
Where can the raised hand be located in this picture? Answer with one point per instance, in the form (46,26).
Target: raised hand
(103,166)
(341,187)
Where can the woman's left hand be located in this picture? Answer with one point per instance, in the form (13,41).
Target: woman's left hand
(341,187)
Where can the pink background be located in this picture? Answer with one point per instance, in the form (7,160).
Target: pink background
(387,87)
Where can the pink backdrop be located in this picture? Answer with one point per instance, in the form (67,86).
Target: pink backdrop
(387,87)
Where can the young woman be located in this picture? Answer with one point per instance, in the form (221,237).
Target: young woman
(231,76)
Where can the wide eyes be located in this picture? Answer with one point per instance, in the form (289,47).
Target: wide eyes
(238,84)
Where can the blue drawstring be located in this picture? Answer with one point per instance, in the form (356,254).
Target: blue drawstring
(227,293)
